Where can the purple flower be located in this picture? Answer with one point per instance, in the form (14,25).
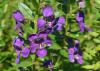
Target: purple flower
(79,58)
(80,20)
(82,26)
(80,16)
(48,11)
(48,42)
(32,37)
(38,42)
(70,42)
(76,49)
(18,26)
(55,21)
(43,35)
(38,38)
(25,52)
(59,27)
(82,4)
(34,47)
(55,24)
(20,34)
(49,30)
(74,52)
(49,64)
(61,20)
(41,23)
(18,16)
(17,43)
(71,51)
(17,59)
(71,58)
(41,52)
(71,54)
(58,23)
(77,43)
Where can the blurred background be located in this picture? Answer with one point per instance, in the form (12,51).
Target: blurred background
(90,42)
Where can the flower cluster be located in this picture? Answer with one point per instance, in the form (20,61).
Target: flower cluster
(80,18)
(37,41)
(19,18)
(75,53)
(18,44)
(49,23)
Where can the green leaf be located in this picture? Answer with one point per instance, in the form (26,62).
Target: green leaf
(64,53)
(88,66)
(25,10)
(33,57)
(94,34)
(52,36)
(97,48)
(96,40)
(87,56)
(97,66)
(74,35)
(24,62)
(97,1)
(55,46)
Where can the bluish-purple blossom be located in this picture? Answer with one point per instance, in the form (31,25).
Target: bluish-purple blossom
(48,63)
(38,42)
(47,11)
(80,20)
(82,4)
(42,52)
(19,18)
(18,42)
(74,53)
(25,52)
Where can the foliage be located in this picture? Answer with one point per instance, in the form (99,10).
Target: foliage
(90,42)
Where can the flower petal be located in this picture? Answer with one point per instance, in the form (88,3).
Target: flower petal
(17,59)
(48,11)
(61,20)
(82,4)
(71,58)
(18,16)
(80,16)
(41,23)
(41,52)
(59,27)
(79,58)
(18,42)
(48,42)
(25,52)
(34,47)
(71,51)
(32,37)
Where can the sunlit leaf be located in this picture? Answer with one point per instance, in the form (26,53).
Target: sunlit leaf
(64,53)
(94,34)
(25,10)
(88,66)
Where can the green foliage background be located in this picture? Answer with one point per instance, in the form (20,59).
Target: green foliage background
(90,42)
